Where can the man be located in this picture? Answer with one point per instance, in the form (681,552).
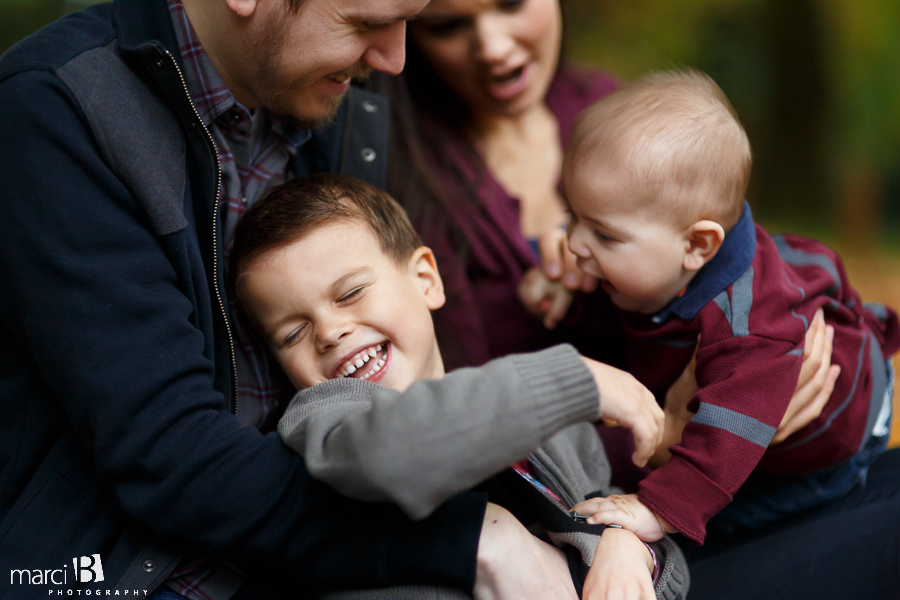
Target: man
(131,401)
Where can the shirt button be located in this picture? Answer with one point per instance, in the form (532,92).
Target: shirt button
(148,565)
(368,155)
(369,106)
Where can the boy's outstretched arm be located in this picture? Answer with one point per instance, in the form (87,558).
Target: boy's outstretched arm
(628,512)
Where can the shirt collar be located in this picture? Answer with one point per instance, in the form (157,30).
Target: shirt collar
(207,89)
(732,259)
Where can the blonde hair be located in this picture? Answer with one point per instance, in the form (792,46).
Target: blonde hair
(680,138)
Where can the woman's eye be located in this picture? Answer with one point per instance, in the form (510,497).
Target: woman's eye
(443,27)
(511,5)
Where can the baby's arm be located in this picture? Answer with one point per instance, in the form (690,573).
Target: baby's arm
(628,512)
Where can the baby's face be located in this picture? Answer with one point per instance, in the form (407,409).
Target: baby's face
(619,238)
(334,305)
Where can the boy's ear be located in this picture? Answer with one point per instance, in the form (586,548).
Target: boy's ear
(242,8)
(704,238)
(423,266)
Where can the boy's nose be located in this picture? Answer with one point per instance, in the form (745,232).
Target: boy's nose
(331,330)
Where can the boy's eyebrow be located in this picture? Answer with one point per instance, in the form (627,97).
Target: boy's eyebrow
(340,282)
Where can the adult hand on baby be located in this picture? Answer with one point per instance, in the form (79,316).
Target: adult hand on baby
(512,564)
(626,401)
(816,382)
(627,511)
(549,300)
(558,262)
(621,569)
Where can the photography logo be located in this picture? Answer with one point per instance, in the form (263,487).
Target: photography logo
(88,569)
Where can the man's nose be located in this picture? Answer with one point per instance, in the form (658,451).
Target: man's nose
(387,53)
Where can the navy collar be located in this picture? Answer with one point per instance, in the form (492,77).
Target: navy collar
(729,263)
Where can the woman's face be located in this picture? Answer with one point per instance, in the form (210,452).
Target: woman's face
(499,56)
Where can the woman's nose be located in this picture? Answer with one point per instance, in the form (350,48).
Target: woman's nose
(494,41)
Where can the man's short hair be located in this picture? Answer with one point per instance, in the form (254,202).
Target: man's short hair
(680,137)
(287,213)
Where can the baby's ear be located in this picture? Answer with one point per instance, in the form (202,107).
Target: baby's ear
(423,266)
(704,238)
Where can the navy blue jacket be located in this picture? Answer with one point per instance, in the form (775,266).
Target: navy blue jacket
(116,373)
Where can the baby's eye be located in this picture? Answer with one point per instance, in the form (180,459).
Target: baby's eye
(603,237)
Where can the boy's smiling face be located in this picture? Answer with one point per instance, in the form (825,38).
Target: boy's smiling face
(332,304)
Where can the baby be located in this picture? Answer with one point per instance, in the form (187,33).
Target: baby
(337,283)
(655,176)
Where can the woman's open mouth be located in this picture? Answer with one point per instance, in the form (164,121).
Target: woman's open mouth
(509,84)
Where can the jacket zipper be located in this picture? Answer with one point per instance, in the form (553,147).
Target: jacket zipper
(551,482)
(215,231)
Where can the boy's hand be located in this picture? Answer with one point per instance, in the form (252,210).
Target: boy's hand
(621,569)
(544,298)
(628,512)
(626,401)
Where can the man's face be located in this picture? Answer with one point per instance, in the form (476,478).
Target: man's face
(623,239)
(332,305)
(299,65)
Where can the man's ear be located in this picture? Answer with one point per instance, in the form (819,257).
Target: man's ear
(423,266)
(704,238)
(242,8)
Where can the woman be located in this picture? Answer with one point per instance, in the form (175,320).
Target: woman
(476,162)
(492,107)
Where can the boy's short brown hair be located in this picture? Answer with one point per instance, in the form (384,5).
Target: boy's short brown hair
(681,139)
(287,213)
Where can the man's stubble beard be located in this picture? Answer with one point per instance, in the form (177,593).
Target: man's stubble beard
(266,51)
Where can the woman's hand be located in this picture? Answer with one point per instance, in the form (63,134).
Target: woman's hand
(558,263)
(816,382)
(512,564)
(621,570)
(814,387)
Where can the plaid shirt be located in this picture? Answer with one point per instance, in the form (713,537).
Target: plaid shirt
(253,150)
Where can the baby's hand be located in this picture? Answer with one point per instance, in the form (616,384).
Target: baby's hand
(628,512)
(545,298)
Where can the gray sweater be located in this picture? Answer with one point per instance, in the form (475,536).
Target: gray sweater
(420,447)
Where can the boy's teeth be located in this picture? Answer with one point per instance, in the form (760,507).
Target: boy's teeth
(351,370)
(378,348)
(380,363)
(373,351)
(366,357)
(359,362)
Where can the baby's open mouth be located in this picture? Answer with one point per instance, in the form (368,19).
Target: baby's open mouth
(366,363)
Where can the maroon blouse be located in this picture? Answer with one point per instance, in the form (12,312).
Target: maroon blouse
(483,317)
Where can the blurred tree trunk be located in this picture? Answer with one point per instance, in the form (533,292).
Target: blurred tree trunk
(793,173)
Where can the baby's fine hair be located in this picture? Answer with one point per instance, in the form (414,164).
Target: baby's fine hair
(681,140)
(287,213)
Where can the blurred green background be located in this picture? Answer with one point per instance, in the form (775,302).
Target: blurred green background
(816,83)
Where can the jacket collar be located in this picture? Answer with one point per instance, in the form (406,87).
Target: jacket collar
(732,259)
(139,22)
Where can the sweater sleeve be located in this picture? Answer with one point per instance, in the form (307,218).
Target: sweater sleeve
(746,384)
(96,321)
(440,437)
